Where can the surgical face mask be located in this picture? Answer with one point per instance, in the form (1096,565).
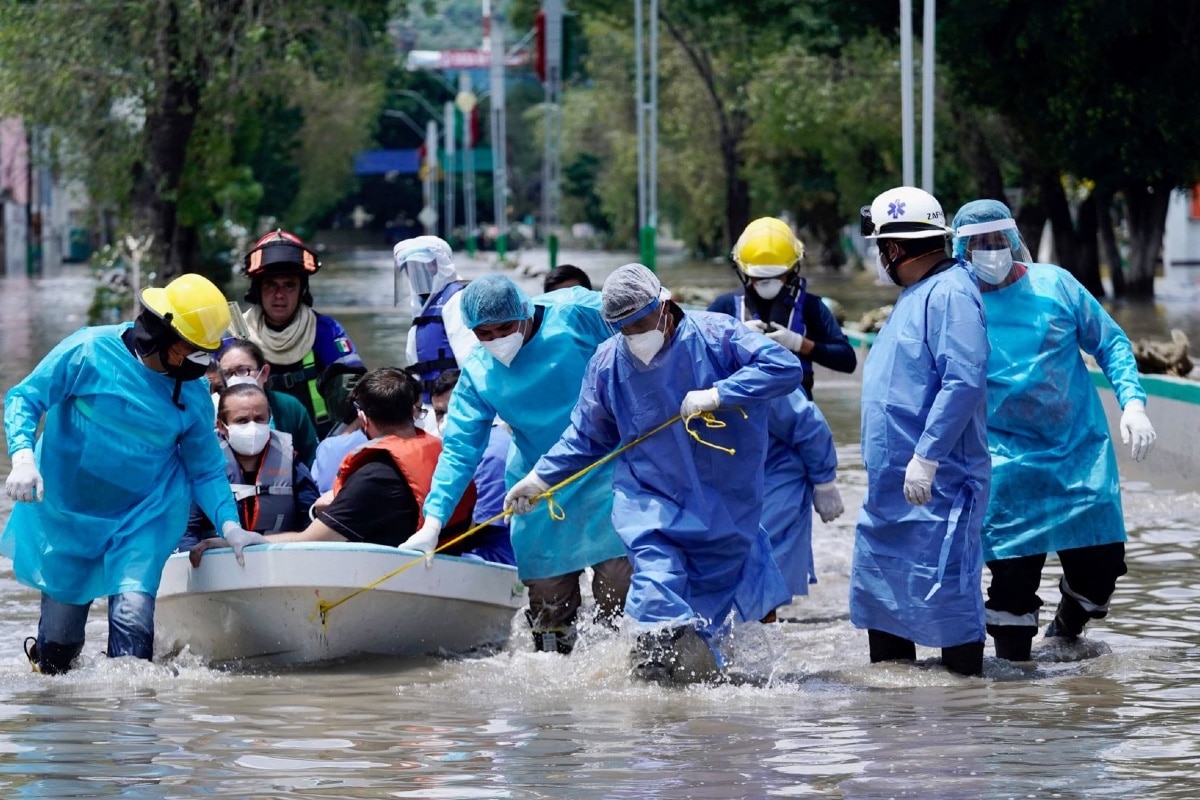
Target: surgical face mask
(504,349)
(992,266)
(241,379)
(768,289)
(248,438)
(881,271)
(644,346)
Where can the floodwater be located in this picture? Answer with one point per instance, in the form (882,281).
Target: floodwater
(1124,722)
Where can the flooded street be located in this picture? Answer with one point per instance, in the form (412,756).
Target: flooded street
(517,724)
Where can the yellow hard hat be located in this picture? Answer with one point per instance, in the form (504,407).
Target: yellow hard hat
(767,248)
(194,308)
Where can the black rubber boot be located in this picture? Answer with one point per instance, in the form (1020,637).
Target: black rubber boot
(1014,648)
(964,659)
(554,639)
(889,647)
(49,658)
(677,655)
(1068,620)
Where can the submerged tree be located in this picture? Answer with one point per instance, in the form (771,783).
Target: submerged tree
(166,108)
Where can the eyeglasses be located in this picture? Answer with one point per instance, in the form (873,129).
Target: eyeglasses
(240,372)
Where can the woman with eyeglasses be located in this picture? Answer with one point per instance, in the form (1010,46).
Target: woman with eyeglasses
(242,361)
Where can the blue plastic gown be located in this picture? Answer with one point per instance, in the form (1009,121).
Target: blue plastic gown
(121,464)
(534,395)
(917,569)
(689,514)
(800,454)
(1054,470)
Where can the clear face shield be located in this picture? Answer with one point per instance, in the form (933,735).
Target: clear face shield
(1000,234)
(417,277)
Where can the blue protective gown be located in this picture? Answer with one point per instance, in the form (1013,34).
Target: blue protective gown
(800,454)
(534,395)
(121,464)
(689,514)
(1054,470)
(917,569)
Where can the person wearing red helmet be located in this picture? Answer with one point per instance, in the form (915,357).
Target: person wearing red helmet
(312,357)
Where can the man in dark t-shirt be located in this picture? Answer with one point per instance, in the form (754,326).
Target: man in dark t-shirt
(374,498)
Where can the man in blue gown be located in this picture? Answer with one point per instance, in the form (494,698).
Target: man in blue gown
(527,370)
(917,559)
(128,443)
(693,534)
(1054,471)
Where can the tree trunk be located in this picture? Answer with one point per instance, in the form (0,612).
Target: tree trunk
(737,190)
(168,130)
(1075,249)
(1147,222)
(1108,242)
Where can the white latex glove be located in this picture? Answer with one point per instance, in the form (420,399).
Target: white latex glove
(520,498)
(827,500)
(699,400)
(24,482)
(239,539)
(425,540)
(1135,428)
(756,325)
(788,338)
(918,480)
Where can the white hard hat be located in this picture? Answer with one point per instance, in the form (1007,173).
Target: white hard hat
(905,212)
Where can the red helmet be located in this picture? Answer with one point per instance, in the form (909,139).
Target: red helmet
(280,252)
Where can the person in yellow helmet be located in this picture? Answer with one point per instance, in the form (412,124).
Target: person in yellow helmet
(104,492)
(775,300)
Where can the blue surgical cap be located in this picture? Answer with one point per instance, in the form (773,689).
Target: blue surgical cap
(978,211)
(493,299)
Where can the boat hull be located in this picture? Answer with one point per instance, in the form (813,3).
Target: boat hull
(269,611)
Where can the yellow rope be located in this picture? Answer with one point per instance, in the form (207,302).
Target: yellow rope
(556,513)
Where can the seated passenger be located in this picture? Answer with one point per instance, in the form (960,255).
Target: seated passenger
(242,361)
(381,486)
(492,543)
(272,487)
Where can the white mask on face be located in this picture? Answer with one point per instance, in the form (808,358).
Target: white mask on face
(248,438)
(992,266)
(644,346)
(505,348)
(881,271)
(240,379)
(768,289)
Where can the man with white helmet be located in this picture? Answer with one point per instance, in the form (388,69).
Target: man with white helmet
(917,559)
(1055,486)
(775,299)
(438,340)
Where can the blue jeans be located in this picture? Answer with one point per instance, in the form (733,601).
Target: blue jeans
(60,630)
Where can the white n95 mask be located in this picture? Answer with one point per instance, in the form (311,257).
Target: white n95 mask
(237,380)
(992,266)
(768,289)
(504,349)
(644,346)
(248,438)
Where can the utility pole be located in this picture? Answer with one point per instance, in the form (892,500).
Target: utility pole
(466,100)
(429,216)
(499,134)
(907,132)
(927,98)
(552,158)
(647,130)
(448,173)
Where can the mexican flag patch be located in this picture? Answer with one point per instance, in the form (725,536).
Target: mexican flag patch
(343,345)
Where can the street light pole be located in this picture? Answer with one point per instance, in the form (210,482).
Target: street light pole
(499,137)
(647,131)
(552,157)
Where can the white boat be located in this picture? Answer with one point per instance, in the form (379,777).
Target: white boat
(1173,405)
(302,603)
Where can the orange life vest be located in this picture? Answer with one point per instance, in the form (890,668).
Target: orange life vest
(416,458)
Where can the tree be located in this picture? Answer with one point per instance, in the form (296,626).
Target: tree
(1100,91)
(164,107)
